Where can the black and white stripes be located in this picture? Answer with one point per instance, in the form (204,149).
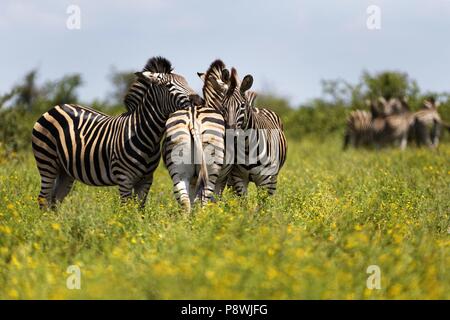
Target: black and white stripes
(202,148)
(261,144)
(71,142)
(193,152)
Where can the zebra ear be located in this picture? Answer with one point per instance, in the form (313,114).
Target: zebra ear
(246,83)
(427,104)
(201,75)
(382,100)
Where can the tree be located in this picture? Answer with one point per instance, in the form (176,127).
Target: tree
(121,81)
(389,84)
(6,97)
(64,90)
(26,93)
(342,92)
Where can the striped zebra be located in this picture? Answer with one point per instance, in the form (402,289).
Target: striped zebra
(389,121)
(193,152)
(394,125)
(261,143)
(428,124)
(220,96)
(72,142)
(358,131)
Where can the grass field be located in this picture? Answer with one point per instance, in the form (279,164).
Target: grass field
(334,215)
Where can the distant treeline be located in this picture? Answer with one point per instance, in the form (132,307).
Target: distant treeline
(321,117)
(327,115)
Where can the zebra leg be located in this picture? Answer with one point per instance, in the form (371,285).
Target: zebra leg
(403,141)
(266,187)
(357,141)
(213,174)
(62,187)
(181,191)
(125,191)
(48,171)
(141,190)
(346,141)
(239,184)
(435,134)
(48,179)
(272,185)
(423,133)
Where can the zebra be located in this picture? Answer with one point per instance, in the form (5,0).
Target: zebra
(200,171)
(193,152)
(189,132)
(358,130)
(428,124)
(219,95)
(394,125)
(71,142)
(388,121)
(261,142)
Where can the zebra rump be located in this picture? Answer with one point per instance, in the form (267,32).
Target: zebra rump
(193,153)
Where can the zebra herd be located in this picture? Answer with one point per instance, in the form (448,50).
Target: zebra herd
(392,122)
(206,143)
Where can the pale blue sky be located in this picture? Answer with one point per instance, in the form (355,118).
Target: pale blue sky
(288,46)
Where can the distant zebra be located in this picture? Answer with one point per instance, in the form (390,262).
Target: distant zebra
(389,121)
(428,124)
(193,152)
(71,142)
(393,128)
(261,143)
(358,131)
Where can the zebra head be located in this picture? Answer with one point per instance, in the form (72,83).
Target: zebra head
(169,90)
(430,103)
(392,106)
(237,102)
(215,84)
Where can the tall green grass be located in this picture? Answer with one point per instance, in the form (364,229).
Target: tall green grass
(335,214)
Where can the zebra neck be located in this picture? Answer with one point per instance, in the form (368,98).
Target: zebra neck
(213,99)
(251,120)
(149,119)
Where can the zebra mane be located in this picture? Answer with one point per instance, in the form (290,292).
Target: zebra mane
(216,67)
(251,97)
(215,84)
(158,64)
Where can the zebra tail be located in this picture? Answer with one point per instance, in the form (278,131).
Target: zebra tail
(202,179)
